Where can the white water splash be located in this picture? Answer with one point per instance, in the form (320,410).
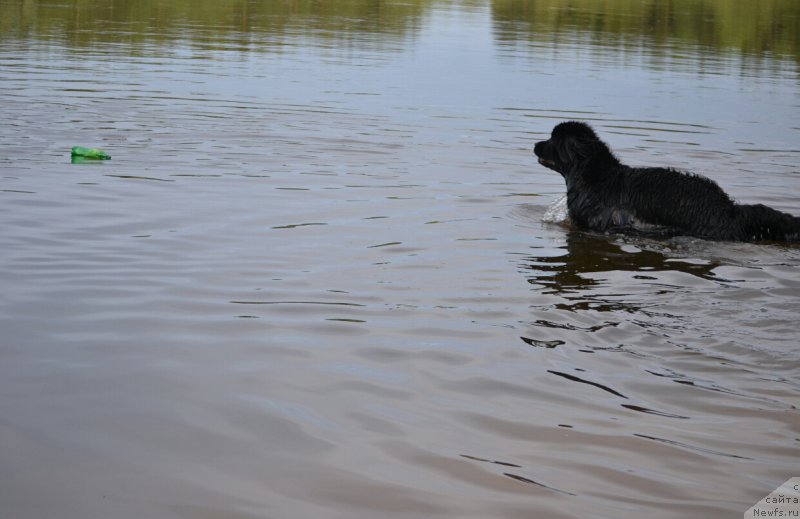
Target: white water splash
(557,212)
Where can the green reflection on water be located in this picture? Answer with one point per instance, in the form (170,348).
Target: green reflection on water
(751,27)
(204,22)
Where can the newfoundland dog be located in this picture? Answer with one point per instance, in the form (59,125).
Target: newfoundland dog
(605,195)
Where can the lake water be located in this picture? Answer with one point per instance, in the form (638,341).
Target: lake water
(316,279)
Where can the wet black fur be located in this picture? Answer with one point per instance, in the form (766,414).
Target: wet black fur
(607,196)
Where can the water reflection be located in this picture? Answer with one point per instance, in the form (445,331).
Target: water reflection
(233,25)
(592,293)
(663,30)
(770,28)
(566,274)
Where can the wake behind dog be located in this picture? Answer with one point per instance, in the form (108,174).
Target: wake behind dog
(605,195)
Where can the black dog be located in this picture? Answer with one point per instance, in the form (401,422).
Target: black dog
(605,195)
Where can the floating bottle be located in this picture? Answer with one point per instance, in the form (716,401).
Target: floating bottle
(89,153)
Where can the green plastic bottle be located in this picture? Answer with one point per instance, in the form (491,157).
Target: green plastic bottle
(89,153)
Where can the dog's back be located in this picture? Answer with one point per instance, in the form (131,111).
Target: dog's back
(687,203)
(684,202)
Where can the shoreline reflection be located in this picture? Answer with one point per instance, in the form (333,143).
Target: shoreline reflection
(669,30)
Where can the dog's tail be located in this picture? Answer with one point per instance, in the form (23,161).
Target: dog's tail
(761,223)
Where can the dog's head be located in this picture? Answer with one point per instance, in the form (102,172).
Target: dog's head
(571,145)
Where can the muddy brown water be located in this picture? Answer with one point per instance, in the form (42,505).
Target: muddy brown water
(316,279)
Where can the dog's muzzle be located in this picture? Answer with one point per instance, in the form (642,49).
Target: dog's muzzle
(547,163)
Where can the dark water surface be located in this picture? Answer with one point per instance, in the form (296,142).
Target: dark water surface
(317,278)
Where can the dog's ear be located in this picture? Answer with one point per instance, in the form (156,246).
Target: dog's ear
(572,149)
(584,153)
(578,150)
(574,141)
(562,148)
